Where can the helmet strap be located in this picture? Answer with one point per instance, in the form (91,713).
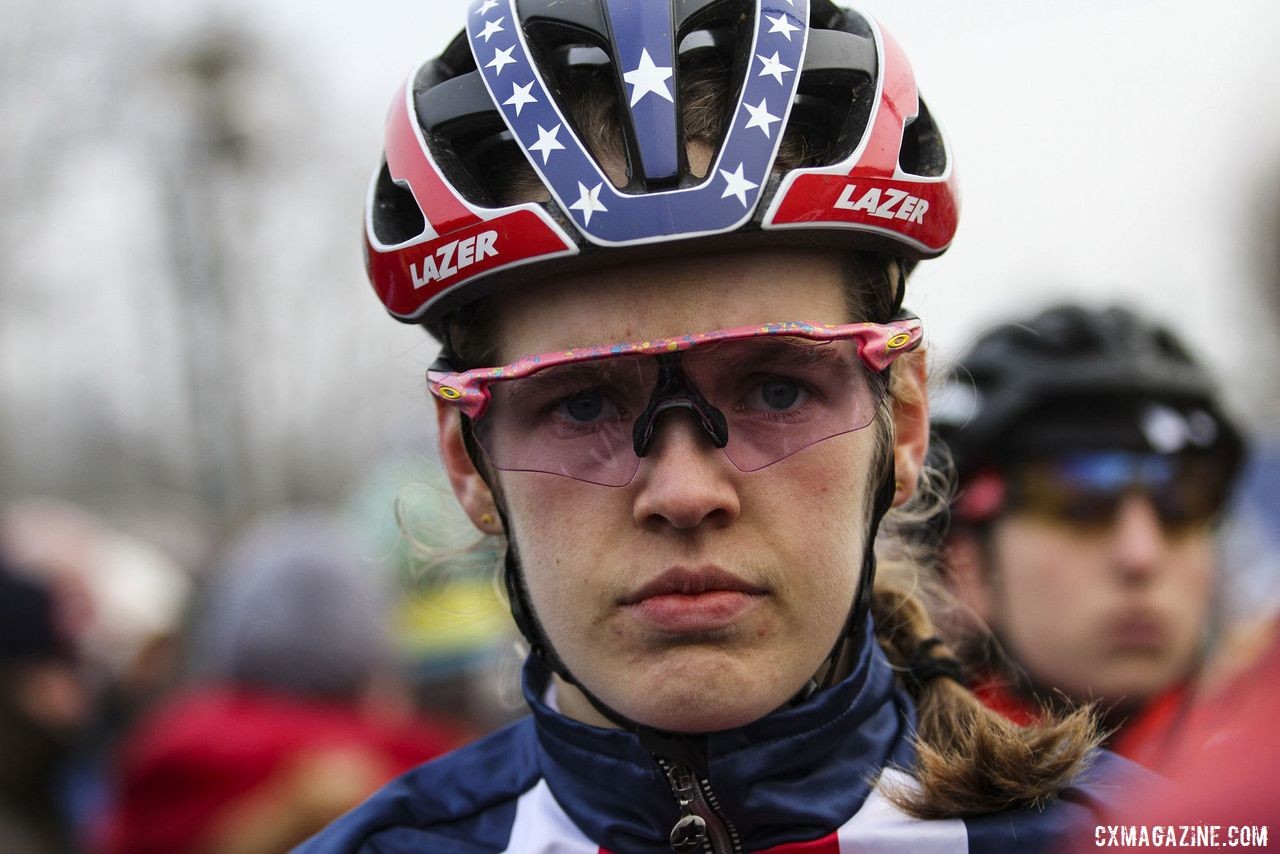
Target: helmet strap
(899,292)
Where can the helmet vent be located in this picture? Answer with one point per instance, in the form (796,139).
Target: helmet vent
(834,98)
(923,151)
(396,216)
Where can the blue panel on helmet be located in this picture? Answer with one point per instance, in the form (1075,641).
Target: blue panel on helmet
(644,48)
(606,216)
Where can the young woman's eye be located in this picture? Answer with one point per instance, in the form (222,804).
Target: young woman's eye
(776,395)
(586,407)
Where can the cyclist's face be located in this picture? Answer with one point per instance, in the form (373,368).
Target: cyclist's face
(1113,611)
(696,597)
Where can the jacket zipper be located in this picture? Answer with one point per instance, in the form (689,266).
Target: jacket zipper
(702,826)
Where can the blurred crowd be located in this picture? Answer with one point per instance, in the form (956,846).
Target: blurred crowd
(1111,541)
(241,704)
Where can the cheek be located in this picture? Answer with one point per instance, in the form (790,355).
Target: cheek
(1044,579)
(563,528)
(813,516)
(1191,578)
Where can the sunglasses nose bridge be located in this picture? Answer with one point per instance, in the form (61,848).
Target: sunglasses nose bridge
(709,419)
(674,390)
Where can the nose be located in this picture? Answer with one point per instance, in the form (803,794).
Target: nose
(1139,540)
(684,480)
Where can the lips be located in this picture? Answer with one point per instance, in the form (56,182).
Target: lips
(684,600)
(692,582)
(1138,629)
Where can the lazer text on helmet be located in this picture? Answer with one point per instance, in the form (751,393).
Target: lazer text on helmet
(454,256)
(886,204)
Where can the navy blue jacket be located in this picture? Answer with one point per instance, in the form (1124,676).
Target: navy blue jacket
(802,774)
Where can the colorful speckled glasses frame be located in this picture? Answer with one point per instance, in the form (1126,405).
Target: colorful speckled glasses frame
(878,345)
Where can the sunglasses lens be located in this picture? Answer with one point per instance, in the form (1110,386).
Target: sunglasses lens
(777,395)
(573,420)
(1088,489)
(1194,496)
(781,395)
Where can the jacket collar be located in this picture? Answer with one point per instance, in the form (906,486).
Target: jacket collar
(798,773)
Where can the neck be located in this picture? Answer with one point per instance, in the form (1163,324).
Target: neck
(572,703)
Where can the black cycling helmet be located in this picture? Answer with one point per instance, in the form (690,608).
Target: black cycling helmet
(1079,378)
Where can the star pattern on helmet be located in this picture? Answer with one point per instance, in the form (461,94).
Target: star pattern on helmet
(491,28)
(773,66)
(737,185)
(521,95)
(501,59)
(574,177)
(782,25)
(547,142)
(486,6)
(761,117)
(589,202)
(648,77)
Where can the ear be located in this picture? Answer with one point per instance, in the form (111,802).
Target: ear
(910,422)
(968,578)
(472,492)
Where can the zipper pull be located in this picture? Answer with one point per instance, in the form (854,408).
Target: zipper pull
(690,832)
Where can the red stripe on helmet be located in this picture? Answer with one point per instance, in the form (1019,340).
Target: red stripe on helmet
(899,101)
(409,278)
(923,212)
(408,162)
(920,213)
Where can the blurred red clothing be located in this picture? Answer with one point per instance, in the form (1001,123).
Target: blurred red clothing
(1223,768)
(1226,764)
(201,754)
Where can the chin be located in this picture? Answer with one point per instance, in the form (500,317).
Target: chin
(703,706)
(704,719)
(1132,685)
(703,688)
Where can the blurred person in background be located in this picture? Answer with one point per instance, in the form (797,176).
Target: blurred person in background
(1094,460)
(294,712)
(123,600)
(117,602)
(1225,764)
(45,707)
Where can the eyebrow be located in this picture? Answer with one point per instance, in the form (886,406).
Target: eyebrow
(784,352)
(560,376)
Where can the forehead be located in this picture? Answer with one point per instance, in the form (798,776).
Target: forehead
(664,299)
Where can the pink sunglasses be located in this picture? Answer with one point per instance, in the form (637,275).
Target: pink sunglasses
(761,393)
